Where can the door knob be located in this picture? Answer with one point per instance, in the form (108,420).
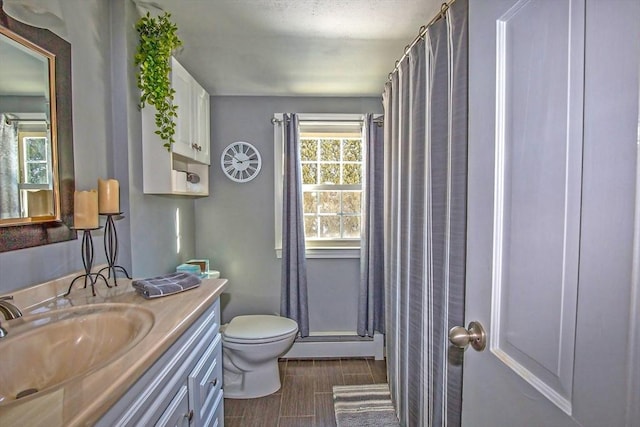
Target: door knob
(475,335)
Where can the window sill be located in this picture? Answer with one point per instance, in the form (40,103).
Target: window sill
(327,253)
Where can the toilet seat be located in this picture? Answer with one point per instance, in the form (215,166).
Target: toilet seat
(257,328)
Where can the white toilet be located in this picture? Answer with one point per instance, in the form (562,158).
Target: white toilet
(251,346)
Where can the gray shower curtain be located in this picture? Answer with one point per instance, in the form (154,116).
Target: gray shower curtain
(9,169)
(425,222)
(293,302)
(371,296)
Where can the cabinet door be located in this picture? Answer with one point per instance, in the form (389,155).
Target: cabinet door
(205,385)
(181,82)
(201,123)
(177,413)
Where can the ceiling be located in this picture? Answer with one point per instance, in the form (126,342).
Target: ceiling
(294,47)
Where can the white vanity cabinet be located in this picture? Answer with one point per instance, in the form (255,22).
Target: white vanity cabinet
(166,172)
(183,387)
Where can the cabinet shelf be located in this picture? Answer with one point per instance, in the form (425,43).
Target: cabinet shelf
(165,172)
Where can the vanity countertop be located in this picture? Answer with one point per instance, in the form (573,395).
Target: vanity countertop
(84,400)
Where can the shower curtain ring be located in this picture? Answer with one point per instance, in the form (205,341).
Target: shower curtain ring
(443,9)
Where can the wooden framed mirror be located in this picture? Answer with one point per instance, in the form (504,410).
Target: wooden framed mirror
(36,137)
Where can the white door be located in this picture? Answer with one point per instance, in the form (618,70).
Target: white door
(553,121)
(181,83)
(201,126)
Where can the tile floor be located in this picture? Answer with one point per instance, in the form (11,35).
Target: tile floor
(306,398)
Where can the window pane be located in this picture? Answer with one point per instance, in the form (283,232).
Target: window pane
(37,173)
(351,202)
(310,202)
(330,173)
(329,202)
(329,227)
(309,173)
(352,150)
(36,149)
(310,226)
(351,227)
(330,150)
(309,149)
(352,173)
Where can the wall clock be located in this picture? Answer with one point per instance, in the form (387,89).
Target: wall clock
(240,161)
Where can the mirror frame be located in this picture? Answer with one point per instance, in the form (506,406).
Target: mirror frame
(22,236)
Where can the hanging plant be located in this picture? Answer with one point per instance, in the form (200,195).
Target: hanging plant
(158,41)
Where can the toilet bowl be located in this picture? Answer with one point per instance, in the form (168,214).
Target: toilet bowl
(251,346)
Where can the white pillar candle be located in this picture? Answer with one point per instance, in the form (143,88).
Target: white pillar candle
(109,196)
(85,209)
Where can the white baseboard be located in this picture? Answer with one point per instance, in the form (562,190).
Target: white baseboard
(333,345)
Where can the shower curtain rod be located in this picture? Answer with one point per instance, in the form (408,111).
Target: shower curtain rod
(423,30)
(26,120)
(9,121)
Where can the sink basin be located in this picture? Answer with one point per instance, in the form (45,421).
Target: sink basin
(42,352)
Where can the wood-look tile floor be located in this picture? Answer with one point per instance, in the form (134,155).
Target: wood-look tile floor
(306,396)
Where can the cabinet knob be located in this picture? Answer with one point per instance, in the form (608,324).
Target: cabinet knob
(189,415)
(214,382)
(196,147)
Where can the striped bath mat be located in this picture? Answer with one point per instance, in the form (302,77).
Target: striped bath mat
(364,406)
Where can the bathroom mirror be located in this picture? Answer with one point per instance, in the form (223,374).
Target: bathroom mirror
(36,143)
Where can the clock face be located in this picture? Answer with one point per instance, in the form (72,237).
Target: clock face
(240,161)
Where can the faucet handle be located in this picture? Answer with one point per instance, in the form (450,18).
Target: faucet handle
(6,298)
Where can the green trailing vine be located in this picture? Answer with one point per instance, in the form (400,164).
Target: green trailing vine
(158,40)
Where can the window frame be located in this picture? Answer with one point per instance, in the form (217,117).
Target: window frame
(339,248)
(25,137)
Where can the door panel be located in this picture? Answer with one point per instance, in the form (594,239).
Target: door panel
(537,193)
(553,130)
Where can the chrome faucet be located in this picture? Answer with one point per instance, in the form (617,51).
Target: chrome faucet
(3,331)
(9,310)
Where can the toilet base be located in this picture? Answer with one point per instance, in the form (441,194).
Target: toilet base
(262,381)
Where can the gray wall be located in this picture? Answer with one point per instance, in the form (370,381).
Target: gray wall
(235,225)
(107,134)
(24,104)
(152,217)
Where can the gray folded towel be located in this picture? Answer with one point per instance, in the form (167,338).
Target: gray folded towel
(167,284)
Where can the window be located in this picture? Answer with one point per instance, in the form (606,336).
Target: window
(36,160)
(36,181)
(332,159)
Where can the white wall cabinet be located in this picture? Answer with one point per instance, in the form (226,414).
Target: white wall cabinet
(168,172)
(183,388)
(192,126)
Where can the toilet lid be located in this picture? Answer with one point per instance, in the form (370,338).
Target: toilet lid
(259,327)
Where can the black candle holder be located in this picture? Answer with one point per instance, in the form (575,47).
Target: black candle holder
(87,262)
(111,248)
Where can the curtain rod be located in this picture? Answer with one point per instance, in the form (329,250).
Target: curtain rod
(43,121)
(278,121)
(26,120)
(423,30)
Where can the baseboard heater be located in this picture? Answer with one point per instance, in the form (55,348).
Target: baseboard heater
(336,344)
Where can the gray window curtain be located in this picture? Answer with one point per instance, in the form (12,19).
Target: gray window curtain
(9,168)
(425,222)
(371,296)
(293,302)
